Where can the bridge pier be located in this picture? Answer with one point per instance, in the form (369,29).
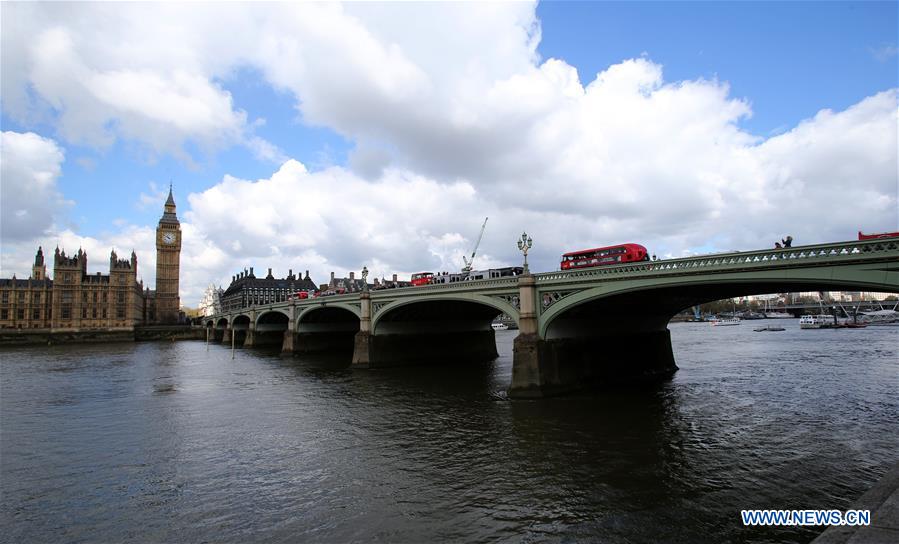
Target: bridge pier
(226,335)
(362,342)
(595,357)
(289,345)
(543,368)
(250,339)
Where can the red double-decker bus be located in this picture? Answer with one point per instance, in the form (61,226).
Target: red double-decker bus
(422,278)
(601,256)
(877,236)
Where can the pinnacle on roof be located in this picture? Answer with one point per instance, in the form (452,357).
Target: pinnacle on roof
(170,201)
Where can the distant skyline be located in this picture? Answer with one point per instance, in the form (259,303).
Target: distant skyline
(331,136)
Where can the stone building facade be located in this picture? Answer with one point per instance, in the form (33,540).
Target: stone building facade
(27,303)
(246,289)
(75,300)
(96,301)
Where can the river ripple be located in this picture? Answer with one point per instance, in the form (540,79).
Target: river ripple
(169,442)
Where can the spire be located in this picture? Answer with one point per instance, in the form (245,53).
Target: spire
(168,214)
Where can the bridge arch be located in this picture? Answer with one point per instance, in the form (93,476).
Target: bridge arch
(240,328)
(307,313)
(330,327)
(438,328)
(473,300)
(653,301)
(266,316)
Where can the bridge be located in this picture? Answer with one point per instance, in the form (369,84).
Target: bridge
(576,328)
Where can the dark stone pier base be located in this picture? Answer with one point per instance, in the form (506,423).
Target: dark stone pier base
(289,344)
(543,368)
(324,342)
(380,351)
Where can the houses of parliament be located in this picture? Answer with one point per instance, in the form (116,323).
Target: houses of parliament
(75,300)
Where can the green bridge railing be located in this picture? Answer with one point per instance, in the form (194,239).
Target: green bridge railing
(823,254)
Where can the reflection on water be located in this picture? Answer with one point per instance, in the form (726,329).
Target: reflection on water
(161,442)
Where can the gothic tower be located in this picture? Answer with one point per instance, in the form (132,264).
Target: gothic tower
(168,254)
(39,270)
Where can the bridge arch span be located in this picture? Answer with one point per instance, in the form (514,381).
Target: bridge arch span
(241,326)
(389,312)
(270,316)
(268,329)
(329,327)
(308,314)
(618,329)
(650,304)
(445,328)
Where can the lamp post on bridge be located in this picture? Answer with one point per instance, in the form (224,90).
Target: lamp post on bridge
(362,340)
(524,245)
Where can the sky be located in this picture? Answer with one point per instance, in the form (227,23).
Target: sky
(328,137)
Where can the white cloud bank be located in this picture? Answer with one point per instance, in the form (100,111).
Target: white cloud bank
(29,168)
(454,118)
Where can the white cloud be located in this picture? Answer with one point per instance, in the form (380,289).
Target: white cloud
(453,118)
(885,52)
(30,166)
(100,73)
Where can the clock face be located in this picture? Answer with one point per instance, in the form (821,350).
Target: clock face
(168,238)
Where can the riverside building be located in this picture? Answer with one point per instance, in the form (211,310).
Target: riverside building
(75,300)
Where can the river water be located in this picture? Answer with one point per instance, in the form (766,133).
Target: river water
(169,442)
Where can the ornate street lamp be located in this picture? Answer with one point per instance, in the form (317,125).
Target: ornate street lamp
(524,245)
(364,278)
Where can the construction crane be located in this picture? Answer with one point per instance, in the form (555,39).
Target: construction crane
(467,268)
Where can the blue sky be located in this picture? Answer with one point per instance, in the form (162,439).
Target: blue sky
(381,104)
(781,56)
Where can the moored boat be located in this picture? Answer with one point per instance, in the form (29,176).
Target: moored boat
(879,317)
(725,322)
(820,321)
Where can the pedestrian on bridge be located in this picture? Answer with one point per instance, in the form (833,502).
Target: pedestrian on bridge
(788,241)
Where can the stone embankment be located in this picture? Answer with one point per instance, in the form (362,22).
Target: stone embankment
(43,337)
(882,500)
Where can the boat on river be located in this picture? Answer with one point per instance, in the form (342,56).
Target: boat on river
(499,326)
(775,314)
(725,321)
(879,317)
(769,329)
(820,321)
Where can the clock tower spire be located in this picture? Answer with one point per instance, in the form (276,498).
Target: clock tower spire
(168,257)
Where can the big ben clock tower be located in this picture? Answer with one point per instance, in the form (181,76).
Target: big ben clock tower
(168,256)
